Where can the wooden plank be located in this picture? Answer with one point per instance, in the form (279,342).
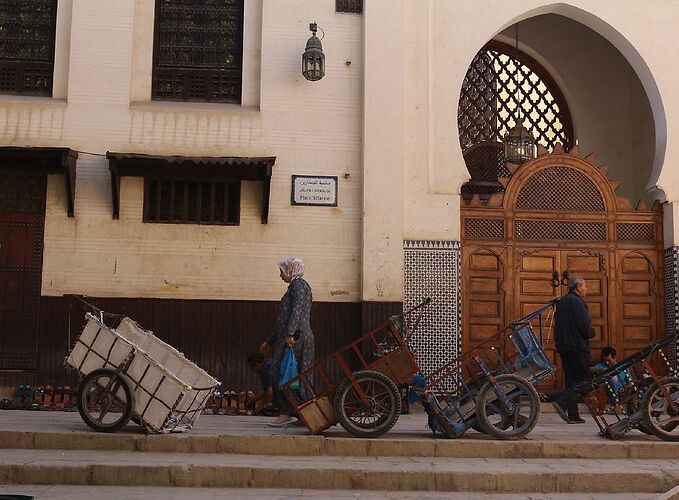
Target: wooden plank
(484,285)
(636,310)
(537,263)
(484,262)
(636,287)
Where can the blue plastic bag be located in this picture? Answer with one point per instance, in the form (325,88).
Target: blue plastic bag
(289,369)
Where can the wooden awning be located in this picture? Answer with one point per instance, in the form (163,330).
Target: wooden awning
(208,168)
(43,161)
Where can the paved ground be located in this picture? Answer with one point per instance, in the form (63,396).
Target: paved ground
(414,426)
(41,492)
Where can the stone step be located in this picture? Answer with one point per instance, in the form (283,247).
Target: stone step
(71,492)
(124,468)
(474,446)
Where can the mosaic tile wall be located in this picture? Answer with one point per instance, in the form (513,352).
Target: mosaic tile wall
(432,269)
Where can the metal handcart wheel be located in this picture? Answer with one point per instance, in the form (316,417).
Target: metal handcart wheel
(105,400)
(631,407)
(381,412)
(510,414)
(659,416)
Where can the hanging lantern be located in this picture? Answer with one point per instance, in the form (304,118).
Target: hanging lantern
(313,59)
(519,145)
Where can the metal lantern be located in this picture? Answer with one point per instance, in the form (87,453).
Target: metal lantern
(313,59)
(519,145)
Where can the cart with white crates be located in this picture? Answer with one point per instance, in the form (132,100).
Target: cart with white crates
(129,374)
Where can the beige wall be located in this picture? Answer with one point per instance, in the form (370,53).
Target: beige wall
(312,128)
(396,152)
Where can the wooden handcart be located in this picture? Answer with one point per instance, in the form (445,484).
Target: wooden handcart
(488,387)
(640,392)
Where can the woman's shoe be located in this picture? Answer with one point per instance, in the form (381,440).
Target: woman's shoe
(283,422)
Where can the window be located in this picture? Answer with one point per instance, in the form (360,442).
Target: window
(27,29)
(191,201)
(350,6)
(198,50)
(503,85)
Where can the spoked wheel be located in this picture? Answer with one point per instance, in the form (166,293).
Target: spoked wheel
(631,407)
(105,400)
(514,419)
(381,412)
(659,416)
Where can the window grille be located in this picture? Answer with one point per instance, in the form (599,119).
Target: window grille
(637,232)
(198,50)
(560,189)
(21,193)
(27,30)
(191,202)
(503,85)
(484,229)
(350,6)
(560,230)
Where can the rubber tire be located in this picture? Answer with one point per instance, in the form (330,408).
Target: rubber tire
(647,420)
(630,408)
(482,416)
(125,416)
(385,423)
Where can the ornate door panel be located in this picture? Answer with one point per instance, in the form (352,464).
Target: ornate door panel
(591,266)
(534,287)
(21,244)
(639,301)
(483,293)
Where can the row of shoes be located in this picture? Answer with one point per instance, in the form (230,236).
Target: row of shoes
(44,398)
(229,403)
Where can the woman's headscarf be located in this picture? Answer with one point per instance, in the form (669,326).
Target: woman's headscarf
(292,267)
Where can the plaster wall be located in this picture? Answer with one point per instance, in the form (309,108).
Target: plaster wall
(312,128)
(396,152)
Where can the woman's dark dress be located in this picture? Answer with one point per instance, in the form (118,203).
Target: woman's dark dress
(293,316)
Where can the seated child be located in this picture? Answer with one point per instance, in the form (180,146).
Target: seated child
(263,401)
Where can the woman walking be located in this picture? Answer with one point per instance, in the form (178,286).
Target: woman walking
(293,329)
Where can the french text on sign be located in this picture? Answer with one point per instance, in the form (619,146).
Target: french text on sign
(314,190)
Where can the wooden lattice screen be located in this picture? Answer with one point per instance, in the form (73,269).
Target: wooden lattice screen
(350,6)
(504,85)
(560,189)
(27,29)
(198,50)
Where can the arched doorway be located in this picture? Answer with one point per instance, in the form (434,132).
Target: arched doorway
(560,214)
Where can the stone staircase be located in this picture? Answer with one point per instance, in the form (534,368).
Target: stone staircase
(233,453)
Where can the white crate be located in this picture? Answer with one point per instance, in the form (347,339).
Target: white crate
(167,386)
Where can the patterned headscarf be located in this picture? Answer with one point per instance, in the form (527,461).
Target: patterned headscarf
(292,267)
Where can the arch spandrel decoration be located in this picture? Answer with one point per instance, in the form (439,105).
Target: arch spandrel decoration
(562,197)
(563,175)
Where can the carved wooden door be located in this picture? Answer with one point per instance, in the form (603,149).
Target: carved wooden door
(22,213)
(541,276)
(560,213)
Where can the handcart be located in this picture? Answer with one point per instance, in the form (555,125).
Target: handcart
(129,374)
(640,392)
(488,387)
